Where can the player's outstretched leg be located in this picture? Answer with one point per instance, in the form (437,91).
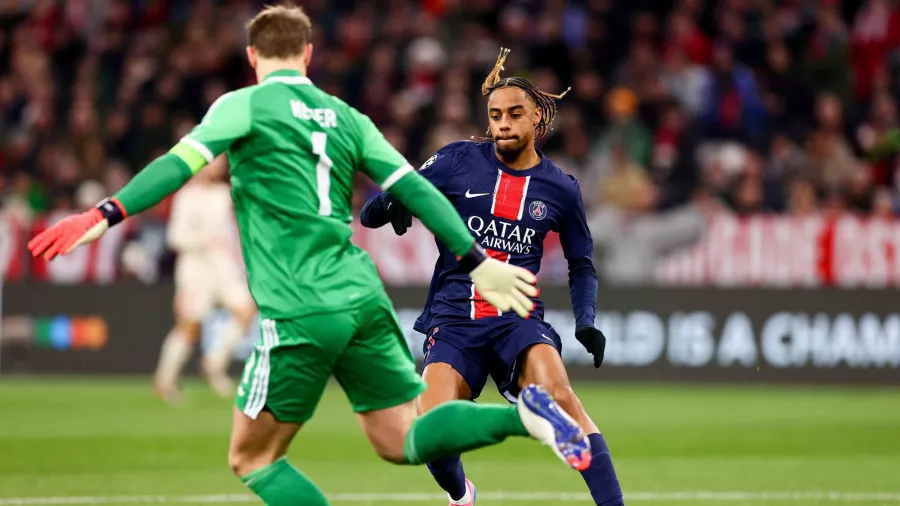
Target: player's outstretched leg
(257,455)
(542,365)
(460,426)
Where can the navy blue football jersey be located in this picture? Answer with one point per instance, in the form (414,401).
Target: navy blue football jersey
(509,212)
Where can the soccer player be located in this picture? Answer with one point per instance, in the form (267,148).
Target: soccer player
(511,197)
(294,152)
(208,273)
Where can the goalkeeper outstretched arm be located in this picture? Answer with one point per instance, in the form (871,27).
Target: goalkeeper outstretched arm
(227,120)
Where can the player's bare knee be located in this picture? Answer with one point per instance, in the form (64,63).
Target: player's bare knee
(243,463)
(392,453)
(387,430)
(393,446)
(244,460)
(389,445)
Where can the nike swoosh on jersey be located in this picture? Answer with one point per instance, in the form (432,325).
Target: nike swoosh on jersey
(470,195)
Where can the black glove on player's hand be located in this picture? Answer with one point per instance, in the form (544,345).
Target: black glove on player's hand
(400,216)
(593,341)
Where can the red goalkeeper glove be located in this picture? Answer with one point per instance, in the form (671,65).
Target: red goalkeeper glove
(73,231)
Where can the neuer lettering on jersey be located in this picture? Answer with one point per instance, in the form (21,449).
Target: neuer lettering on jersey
(326,118)
(501,235)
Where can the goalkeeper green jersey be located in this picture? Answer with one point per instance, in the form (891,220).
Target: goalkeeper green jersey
(294,151)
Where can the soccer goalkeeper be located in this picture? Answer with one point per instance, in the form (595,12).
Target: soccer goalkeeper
(294,151)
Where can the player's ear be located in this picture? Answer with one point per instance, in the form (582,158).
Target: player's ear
(251,56)
(538,114)
(307,55)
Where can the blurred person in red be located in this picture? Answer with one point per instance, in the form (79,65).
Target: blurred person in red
(875,33)
(683,33)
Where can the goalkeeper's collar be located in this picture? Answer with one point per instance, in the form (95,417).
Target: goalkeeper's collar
(286,76)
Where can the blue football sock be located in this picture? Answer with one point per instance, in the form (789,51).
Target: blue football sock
(448,473)
(601,476)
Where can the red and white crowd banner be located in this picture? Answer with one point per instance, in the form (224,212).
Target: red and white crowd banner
(762,251)
(785,251)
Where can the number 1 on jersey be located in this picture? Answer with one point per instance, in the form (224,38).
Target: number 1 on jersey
(323,172)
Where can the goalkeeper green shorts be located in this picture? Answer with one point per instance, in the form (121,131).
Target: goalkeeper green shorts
(362,347)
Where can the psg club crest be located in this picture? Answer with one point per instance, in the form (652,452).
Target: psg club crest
(538,210)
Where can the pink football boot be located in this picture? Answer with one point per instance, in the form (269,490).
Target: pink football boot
(470,487)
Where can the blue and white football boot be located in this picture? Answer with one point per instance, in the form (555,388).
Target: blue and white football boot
(549,424)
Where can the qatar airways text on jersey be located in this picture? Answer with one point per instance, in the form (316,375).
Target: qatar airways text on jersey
(509,212)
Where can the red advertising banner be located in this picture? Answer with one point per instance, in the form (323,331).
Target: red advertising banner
(784,251)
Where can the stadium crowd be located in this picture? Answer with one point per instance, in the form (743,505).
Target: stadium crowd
(752,105)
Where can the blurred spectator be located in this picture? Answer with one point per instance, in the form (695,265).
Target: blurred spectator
(802,198)
(683,80)
(684,36)
(732,108)
(627,185)
(829,152)
(827,53)
(786,165)
(569,143)
(674,166)
(747,196)
(884,204)
(624,128)
(875,34)
(787,94)
(640,72)
(880,121)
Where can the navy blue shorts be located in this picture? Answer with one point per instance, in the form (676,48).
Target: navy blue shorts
(488,347)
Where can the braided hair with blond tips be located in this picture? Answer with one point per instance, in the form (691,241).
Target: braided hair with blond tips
(545,101)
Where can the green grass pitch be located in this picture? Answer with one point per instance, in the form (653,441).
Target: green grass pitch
(104,441)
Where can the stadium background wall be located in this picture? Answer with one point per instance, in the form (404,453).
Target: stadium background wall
(705,335)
